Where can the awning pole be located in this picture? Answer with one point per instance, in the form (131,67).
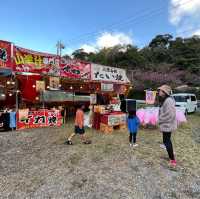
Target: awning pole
(16,89)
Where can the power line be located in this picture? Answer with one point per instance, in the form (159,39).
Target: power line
(129,21)
(188,30)
(142,44)
(114,24)
(120,27)
(182,32)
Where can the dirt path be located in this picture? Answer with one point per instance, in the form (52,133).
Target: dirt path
(36,164)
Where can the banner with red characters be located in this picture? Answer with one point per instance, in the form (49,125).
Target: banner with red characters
(36,119)
(24,60)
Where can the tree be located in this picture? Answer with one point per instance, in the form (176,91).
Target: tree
(161,41)
(66,57)
(186,53)
(159,49)
(80,54)
(151,65)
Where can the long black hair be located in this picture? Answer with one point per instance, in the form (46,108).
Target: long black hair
(131,114)
(162,99)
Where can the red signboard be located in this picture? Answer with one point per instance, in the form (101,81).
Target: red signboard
(36,119)
(5,54)
(35,62)
(24,60)
(75,69)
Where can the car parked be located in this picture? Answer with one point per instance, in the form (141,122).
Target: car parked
(186,101)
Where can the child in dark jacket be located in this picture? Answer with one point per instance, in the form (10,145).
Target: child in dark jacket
(133,126)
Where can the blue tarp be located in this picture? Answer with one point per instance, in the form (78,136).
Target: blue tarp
(5,72)
(12,119)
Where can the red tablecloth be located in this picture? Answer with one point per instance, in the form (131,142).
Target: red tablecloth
(104,118)
(96,121)
(114,118)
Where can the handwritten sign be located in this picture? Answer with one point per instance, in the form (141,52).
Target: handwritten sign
(110,74)
(54,83)
(40,85)
(93,98)
(75,69)
(107,87)
(116,119)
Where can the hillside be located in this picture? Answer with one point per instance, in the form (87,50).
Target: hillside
(175,61)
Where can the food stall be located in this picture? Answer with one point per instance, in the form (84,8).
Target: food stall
(44,81)
(107,115)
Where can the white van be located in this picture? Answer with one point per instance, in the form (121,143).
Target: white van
(186,101)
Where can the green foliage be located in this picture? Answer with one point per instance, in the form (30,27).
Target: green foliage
(163,55)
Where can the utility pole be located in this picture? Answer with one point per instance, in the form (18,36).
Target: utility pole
(60,46)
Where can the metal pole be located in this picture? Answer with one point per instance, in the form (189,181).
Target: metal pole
(16,100)
(60,46)
(12,52)
(43,99)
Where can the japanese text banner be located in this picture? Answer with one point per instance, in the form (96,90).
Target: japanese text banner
(110,74)
(75,69)
(35,62)
(36,119)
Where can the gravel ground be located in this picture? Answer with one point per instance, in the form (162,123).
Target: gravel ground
(36,164)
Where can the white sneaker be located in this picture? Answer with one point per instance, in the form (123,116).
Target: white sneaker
(135,145)
(162,146)
(130,145)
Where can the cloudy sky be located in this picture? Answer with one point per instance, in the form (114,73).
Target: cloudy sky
(94,24)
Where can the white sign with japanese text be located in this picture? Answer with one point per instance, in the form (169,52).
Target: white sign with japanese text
(106,73)
(106,87)
(93,98)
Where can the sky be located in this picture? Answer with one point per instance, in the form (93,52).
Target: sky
(94,24)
